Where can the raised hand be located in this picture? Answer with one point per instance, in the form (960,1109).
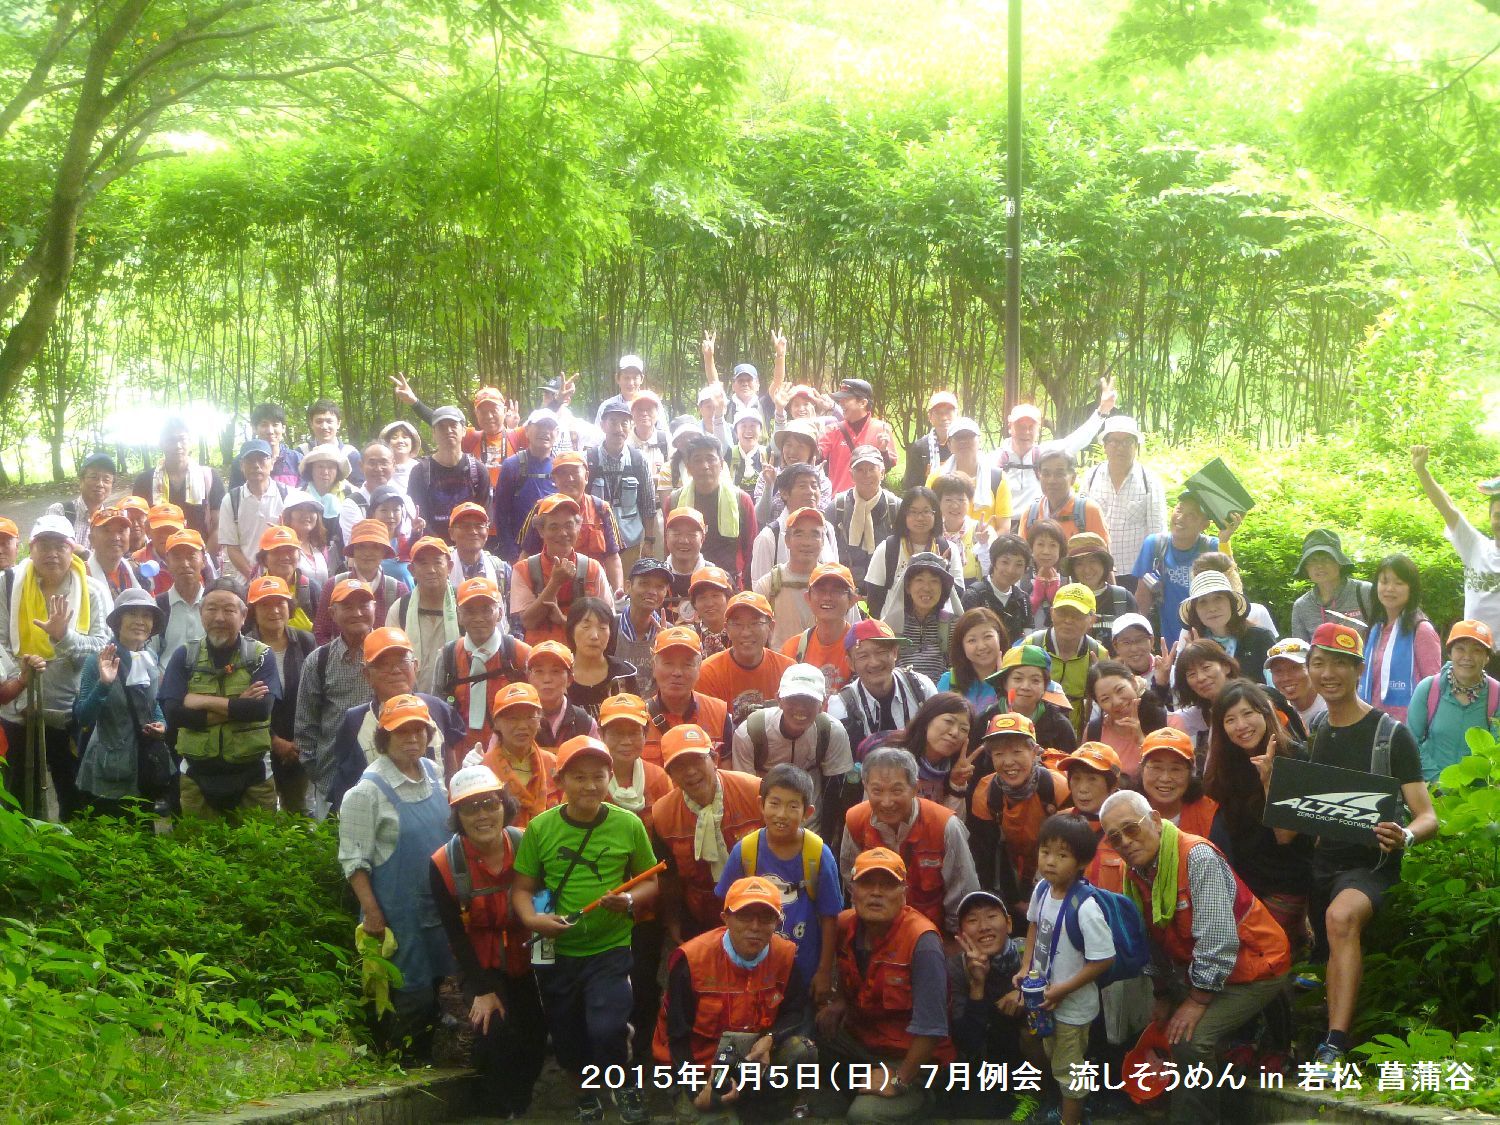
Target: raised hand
(963,769)
(1161,664)
(512,417)
(1231,525)
(708,346)
(109,664)
(1419,457)
(1109,396)
(778,343)
(402,388)
(976,964)
(56,623)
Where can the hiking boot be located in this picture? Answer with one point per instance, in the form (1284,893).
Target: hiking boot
(590,1108)
(631,1107)
(1326,1057)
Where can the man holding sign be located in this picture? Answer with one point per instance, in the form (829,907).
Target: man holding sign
(1350,880)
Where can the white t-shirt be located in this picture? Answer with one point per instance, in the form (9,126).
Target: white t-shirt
(1082,1005)
(1481,558)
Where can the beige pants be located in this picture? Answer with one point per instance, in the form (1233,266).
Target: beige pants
(261,795)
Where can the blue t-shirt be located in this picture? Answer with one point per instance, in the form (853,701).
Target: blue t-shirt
(800,920)
(1176,577)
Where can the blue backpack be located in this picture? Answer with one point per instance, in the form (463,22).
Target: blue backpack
(1126,927)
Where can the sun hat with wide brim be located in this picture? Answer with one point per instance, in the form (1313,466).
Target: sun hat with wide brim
(135,599)
(332,454)
(1212,582)
(1322,541)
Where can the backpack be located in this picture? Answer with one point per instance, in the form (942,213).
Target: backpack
(755,729)
(1380,753)
(812,859)
(458,864)
(237,493)
(1126,927)
(1078,519)
(447,678)
(1434,695)
(582,561)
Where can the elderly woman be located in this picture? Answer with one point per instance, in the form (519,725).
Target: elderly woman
(279,555)
(324,469)
(1460,696)
(1168,782)
(389,826)
(471,876)
(271,605)
(1215,610)
(116,710)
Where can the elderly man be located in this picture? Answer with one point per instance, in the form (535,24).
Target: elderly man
(333,680)
(621,476)
(882,697)
(109,542)
(891,993)
(1219,957)
(380,470)
(931,449)
(797,486)
(1133,500)
(696,825)
(180,604)
(598,532)
(1018,454)
(250,507)
(217,694)
(96,480)
(728,514)
(862,515)
(447,477)
(1056,472)
(859,427)
(196,489)
(930,838)
(736,988)
(676,659)
(57,623)
(684,534)
(545,585)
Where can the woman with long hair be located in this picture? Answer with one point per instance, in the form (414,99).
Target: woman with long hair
(1198,672)
(914,530)
(1403,647)
(938,737)
(597,675)
(974,651)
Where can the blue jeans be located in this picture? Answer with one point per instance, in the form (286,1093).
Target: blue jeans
(588,1002)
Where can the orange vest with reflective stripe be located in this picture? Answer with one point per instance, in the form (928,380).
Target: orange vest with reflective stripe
(880,997)
(676,826)
(922,851)
(729,998)
(1264,952)
(494,931)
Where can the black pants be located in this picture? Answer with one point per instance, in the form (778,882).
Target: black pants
(62,764)
(509,1057)
(645,969)
(409,1029)
(588,1001)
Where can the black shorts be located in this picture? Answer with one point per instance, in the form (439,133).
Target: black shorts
(1327,884)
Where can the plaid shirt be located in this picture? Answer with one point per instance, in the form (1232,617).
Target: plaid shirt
(1132,512)
(1216,936)
(322,701)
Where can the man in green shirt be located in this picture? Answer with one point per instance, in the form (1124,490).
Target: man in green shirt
(573,855)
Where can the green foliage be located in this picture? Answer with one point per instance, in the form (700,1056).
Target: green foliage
(1178,31)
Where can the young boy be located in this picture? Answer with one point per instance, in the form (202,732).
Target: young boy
(795,860)
(1065,846)
(831,594)
(576,853)
(1005,591)
(985,1012)
(323,420)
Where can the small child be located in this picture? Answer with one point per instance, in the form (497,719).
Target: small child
(781,853)
(1065,845)
(1048,545)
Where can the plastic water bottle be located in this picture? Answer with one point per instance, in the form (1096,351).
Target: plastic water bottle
(149,569)
(1034,992)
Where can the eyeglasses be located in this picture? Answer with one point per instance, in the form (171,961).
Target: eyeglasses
(1131,831)
(481,804)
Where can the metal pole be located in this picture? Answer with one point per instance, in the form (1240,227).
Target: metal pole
(1013,208)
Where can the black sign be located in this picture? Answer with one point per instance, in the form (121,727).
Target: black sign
(1326,801)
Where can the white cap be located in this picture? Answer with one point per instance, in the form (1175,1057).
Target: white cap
(963,426)
(541,414)
(52,524)
(295,496)
(627,361)
(1126,621)
(1121,424)
(471,781)
(1294,649)
(708,393)
(805,680)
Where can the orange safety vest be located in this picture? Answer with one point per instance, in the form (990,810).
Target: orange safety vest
(534,797)
(1197,817)
(880,997)
(463,668)
(676,826)
(729,998)
(1021,821)
(1264,952)
(922,850)
(707,712)
(494,930)
(1107,869)
(490,453)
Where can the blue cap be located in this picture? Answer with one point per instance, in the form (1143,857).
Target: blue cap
(254,445)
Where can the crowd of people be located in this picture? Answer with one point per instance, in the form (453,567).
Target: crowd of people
(688,740)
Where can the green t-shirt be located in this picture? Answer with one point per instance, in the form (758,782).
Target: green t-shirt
(618,849)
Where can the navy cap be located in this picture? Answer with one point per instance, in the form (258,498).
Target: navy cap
(99,461)
(254,445)
(745,369)
(857,387)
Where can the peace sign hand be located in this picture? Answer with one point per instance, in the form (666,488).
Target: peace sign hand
(976,964)
(56,624)
(402,388)
(1161,665)
(512,413)
(963,770)
(1109,396)
(778,343)
(708,345)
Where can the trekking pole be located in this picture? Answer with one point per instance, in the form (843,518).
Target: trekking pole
(33,798)
(577,915)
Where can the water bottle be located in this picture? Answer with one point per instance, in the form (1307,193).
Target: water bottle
(1034,992)
(543,949)
(149,569)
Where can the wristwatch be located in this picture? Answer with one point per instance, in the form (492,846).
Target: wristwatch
(1410,837)
(630,904)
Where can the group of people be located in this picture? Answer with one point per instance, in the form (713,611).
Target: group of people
(676,744)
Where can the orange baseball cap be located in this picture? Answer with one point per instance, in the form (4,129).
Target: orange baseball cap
(489,394)
(752,891)
(1170,740)
(373,532)
(569,457)
(711,576)
(8,527)
(628,707)
(810,514)
(467,510)
(679,636)
(555,649)
(278,535)
(1469,630)
(132,504)
(402,709)
(350,588)
(268,586)
(166,515)
(480,587)
(428,543)
(1052,759)
(878,859)
(1096,756)
(556,502)
(378,642)
(109,515)
(515,695)
(832,570)
(1010,723)
(581,746)
(749,599)
(188,538)
(687,738)
(692,515)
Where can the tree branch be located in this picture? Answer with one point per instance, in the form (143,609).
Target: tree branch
(36,82)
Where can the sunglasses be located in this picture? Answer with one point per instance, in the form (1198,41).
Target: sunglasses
(481,805)
(1131,831)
